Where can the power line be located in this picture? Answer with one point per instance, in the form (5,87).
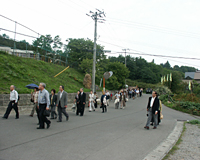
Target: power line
(18,33)
(20,24)
(156,28)
(142,53)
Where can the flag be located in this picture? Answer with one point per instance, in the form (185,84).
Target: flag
(190,86)
(167,77)
(170,77)
(161,80)
(164,79)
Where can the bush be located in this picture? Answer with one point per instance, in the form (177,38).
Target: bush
(163,90)
(194,122)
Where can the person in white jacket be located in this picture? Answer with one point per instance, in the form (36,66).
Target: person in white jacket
(91,101)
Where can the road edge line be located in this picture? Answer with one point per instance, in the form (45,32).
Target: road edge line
(164,147)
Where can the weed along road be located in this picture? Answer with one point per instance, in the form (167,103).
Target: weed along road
(115,135)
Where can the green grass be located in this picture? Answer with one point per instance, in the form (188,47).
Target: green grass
(22,71)
(175,147)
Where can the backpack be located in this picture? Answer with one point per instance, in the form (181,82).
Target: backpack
(104,100)
(18,96)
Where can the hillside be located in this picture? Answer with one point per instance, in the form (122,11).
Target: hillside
(22,71)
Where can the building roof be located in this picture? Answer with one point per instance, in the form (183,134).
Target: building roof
(190,74)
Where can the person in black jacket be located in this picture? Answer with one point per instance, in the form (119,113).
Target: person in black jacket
(152,108)
(53,100)
(81,103)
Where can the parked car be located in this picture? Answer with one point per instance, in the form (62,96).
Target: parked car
(148,90)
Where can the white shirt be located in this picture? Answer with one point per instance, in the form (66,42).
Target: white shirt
(14,96)
(107,94)
(91,97)
(152,100)
(117,95)
(61,94)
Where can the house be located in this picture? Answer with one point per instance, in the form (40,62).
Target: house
(190,76)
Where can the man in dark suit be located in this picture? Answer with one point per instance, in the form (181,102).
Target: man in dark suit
(62,104)
(152,108)
(81,103)
(53,101)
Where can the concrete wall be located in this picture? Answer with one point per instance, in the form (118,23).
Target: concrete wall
(25,105)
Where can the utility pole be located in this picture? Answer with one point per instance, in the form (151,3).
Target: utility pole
(125,61)
(97,17)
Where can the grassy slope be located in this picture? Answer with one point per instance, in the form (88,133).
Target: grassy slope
(22,71)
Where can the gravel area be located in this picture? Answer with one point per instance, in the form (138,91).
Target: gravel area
(189,148)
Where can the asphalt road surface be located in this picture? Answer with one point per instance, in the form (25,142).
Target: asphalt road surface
(115,135)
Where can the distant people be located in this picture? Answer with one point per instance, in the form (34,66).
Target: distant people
(75,101)
(117,97)
(137,92)
(111,95)
(62,104)
(130,93)
(133,94)
(53,101)
(95,100)
(34,99)
(152,108)
(13,103)
(81,102)
(43,104)
(104,102)
(107,97)
(91,102)
(123,100)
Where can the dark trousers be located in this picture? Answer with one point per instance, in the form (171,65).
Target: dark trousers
(152,120)
(104,108)
(95,104)
(12,105)
(43,119)
(80,109)
(38,114)
(53,111)
(60,111)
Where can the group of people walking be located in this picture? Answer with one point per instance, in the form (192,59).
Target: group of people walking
(44,103)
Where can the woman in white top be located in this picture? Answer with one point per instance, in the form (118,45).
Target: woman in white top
(91,102)
(117,96)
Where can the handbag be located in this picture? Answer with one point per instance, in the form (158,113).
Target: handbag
(46,113)
(161,116)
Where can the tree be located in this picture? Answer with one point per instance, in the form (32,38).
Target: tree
(120,72)
(79,49)
(5,36)
(86,65)
(44,42)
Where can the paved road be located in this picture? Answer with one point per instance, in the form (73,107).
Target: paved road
(115,135)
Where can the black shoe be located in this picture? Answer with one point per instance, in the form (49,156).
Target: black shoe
(48,125)
(94,110)
(67,118)
(59,121)
(17,118)
(5,117)
(40,128)
(102,112)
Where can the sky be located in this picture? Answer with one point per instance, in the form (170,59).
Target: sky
(156,27)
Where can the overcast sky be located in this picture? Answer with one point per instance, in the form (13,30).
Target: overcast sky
(159,27)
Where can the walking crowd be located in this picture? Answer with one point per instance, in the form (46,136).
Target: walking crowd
(45,105)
